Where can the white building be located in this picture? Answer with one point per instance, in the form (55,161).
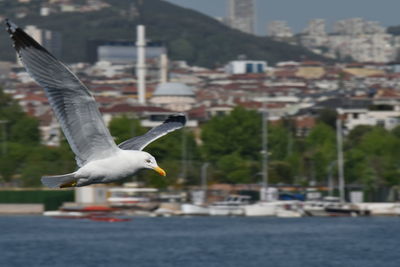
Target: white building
(354,38)
(246,66)
(356,117)
(279,29)
(241,15)
(357,26)
(316,27)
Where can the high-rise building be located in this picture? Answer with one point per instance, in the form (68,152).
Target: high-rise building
(51,40)
(279,29)
(316,27)
(357,26)
(241,15)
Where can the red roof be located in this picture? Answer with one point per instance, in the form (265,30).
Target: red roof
(198,113)
(305,122)
(312,63)
(129,89)
(35,98)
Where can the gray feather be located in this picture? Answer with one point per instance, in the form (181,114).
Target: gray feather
(172,123)
(73,104)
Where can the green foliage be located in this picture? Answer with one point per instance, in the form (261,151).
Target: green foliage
(373,160)
(25,131)
(124,128)
(234,169)
(44,160)
(13,160)
(280,172)
(278,142)
(233,144)
(357,134)
(328,116)
(239,132)
(24,156)
(321,150)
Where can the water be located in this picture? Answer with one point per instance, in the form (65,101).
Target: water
(208,241)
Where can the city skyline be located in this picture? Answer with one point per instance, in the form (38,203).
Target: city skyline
(298,14)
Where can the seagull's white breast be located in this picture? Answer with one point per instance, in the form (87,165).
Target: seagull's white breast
(120,165)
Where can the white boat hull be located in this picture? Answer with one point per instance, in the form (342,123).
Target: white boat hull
(191,209)
(226,211)
(316,212)
(260,209)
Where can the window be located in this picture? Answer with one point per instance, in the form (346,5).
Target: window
(380,123)
(249,68)
(260,68)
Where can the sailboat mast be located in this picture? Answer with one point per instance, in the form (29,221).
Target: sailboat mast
(339,139)
(184,155)
(264,152)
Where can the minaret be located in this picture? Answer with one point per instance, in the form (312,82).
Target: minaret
(163,68)
(141,63)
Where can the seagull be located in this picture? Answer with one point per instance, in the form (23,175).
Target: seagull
(99,159)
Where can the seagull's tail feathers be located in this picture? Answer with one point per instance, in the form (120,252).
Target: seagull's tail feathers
(60,181)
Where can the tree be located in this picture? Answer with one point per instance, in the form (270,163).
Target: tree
(373,161)
(357,134)
(320,151)
(239,132)
(25,131)
(328,116)
(22,134)
(123,128)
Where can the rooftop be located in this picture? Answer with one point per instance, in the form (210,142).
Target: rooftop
(173,89)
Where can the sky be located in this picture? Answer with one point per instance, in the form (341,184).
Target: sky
(298,12)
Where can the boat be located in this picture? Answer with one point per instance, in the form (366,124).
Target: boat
(380,209)
(66,214)
(194,210)
(317,208)
(268,195)
(232,206)
(331,206)
(289,209)
(262,208)
(342,210)
(133,198)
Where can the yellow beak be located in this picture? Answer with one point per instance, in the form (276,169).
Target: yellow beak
(160,171)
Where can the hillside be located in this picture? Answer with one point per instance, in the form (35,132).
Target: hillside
(395,30)
(189,35)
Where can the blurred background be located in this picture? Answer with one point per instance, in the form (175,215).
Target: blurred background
(295,101)
(223,73)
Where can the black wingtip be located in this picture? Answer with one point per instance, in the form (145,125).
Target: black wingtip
(180,118)
(21,38)
(11,26)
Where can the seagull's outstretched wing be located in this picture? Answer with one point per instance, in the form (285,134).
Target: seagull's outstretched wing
(72,103)
(172,123)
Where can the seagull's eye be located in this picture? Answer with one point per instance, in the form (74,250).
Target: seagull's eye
(148,160)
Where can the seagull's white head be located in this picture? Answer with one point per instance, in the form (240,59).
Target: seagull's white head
(149,162)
